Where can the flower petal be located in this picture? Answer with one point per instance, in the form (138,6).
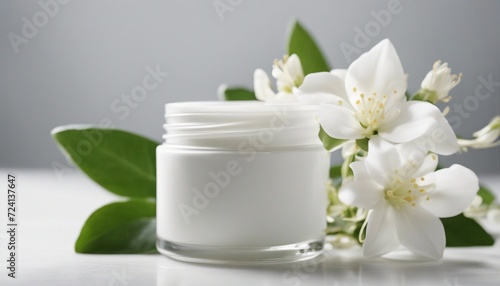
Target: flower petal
(324,82)
(415,119)
(364,194)
(262,86)
(340,122)
(339,73)
(377,71)
(381,235)
(360,172)
(428,166)
(456,188)
(420,231)
(294,68)
(285,97)
(316,97)
(442,139)
(382,160)
(412,156)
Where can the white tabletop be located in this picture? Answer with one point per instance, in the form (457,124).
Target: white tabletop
(52,210)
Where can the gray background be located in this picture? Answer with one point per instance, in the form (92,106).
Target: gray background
(91,52)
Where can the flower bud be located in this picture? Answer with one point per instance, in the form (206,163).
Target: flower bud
(484,138)
(437,83)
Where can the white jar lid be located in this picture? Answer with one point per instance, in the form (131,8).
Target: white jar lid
(229,124)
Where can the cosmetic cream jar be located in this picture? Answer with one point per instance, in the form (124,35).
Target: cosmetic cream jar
(241,182)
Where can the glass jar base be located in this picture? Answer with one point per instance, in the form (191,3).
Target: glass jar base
(241,256)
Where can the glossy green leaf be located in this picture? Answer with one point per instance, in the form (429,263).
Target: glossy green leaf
(300,42)
(121,162)
(120,228)
(487,196)
(328,142)
(237,93)
(464,231)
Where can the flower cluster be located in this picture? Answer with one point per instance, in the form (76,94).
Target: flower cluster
(393,191)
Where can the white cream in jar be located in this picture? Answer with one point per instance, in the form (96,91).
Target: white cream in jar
(241,182)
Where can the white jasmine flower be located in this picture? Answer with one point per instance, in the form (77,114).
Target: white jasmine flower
(288,74)
(438,82)
(406,196)
(484,138)
(371,100)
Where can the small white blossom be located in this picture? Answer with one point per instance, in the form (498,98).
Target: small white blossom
(438,82)
(406,197)
(288,74)
(487,137)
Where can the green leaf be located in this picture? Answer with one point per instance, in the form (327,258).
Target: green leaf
(328,142)
(487,196)
(363,144)
(335,172)
(300,42)
(120,228)
(237,93)
(464,231)
(119,161)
